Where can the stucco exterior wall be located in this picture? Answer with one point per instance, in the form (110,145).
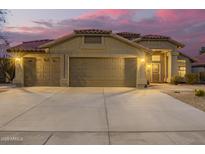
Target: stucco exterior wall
(109,47)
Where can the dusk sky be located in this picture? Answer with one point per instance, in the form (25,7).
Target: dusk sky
(186,26)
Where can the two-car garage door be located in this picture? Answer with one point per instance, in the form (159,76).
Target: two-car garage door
(102,72)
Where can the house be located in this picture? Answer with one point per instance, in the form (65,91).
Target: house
(199,66)
(93,57)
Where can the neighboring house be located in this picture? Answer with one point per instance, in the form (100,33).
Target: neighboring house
(199,66)
(95,57)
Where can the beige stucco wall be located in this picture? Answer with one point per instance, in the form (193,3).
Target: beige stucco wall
(109,47)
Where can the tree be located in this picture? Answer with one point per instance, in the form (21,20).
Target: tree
(7,68)
(202,50)
(4,44)
(3,14)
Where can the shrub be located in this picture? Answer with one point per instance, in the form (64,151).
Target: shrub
(177,79)
(191,78)
(7,69)
(199,92)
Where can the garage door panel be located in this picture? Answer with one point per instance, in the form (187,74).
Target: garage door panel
(92,72)
(30,71)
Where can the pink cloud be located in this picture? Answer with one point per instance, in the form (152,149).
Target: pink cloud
(25,29)
(181,17)
(110,13)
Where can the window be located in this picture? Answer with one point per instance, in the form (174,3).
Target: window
(181,67)
(156,58)
(92,39)
(181,61)
(182,71)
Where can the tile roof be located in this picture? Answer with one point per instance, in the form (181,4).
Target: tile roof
(159,37)
(31,46)
(200,60)
(155,37)
(129,35)
(92,31)
(183,54)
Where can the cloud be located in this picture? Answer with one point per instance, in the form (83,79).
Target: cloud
(111,13)
(187,26)
(44,23)
(25,29)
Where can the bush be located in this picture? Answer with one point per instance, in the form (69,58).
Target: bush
(191,78)
(199,92)
(177,79)
(7,69)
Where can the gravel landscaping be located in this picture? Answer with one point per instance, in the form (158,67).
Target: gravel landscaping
(188,97)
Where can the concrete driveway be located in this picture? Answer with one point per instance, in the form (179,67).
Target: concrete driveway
(50,115)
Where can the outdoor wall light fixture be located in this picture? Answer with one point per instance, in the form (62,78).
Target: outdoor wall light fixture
(142,60)
(148,66)
(17,59)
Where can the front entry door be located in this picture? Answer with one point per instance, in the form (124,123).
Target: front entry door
(155,72)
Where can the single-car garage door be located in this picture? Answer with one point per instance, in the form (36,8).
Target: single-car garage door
(99,72)
(42,71)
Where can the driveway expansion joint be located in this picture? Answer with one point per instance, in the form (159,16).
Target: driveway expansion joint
(49,137)
(106,116)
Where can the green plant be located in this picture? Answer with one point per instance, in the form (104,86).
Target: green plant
(191,78)
(177,79)
(199,92)
(7,68)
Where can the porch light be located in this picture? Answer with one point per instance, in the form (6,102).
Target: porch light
(142,60)
(17,59)
(148,66)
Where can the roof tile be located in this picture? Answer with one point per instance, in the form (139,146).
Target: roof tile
(92,31)
(30,46)
(200,60)
(129,35)
(155,37)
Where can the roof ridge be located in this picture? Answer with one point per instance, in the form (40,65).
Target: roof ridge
(126,32)
(91,31)
(37,40)
(154,36)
